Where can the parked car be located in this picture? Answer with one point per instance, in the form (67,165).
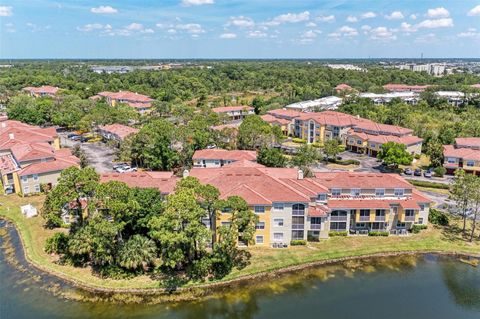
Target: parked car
(427,174)
(417,172)
(408,171)
(71,135)
(118,165)
(126,168)
(84,139)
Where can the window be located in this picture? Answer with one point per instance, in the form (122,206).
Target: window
(336,192)
(409,212)
(278,206)
(470,163)
(298,209)
(26,189)
(297,234)
(420,220)
(338,226)
(37,188)
(379,192)
(355,191)
(217,163)
(260,225)
(422,207)
(398,192)
(400,225)
(359,142)
(451,160)
(315,220)
(259,239)
(35,177)
(226,224)
(364,212)
(372,145)
(259,209)
(25,179)
(278,236)
(380,212)
(322,197)
(339,213)
(278,222)
(360,225)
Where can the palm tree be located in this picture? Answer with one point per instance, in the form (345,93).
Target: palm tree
(138,251)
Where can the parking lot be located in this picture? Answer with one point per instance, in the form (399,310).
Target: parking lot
(99,155)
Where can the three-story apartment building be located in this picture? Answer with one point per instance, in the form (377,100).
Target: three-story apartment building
(465,154)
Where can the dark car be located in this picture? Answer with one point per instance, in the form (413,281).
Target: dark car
(84,139)
(75,137)
(408,171)
(71,135)
(417,172)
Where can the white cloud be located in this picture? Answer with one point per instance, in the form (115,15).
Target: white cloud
(241,21)
(9,27)
(91,27)
(428,38)
(104,10)
(470,33)
(348,31)
(366,28)
(134,27)
(256,34)
(329,18)
(228,36)
(436,23)
(171,31)
(310,34)
(334,35)
(6,11)
(382,33)
(188,3)
(439,12)
(395,15)
(149,31)
(289,18)
(473,12)
(311,25)
(352,19)
(407,27)
(193,28)
(413,16)
(368,15)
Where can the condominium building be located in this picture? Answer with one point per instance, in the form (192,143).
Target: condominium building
(30,157)
(391,87)
(219,157)
(141,103)
(464,154)
(290,206)
(116,132)
(42,91)
(234,113)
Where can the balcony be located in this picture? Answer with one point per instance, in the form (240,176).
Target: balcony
(409,218)
(298,226)
(315,226)
(380,218)
(364,218)
(338,218)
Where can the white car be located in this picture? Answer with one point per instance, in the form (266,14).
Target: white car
(125,169)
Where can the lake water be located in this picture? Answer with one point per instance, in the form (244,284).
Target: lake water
(402,287)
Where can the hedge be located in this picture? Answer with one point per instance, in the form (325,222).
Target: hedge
(438,217)
(428,184)
(299,140)
(378,233)
(298,242)
(417,228)
(337,233)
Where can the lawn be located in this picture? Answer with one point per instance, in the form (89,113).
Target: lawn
(263,259)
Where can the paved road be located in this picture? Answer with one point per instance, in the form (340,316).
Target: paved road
(99,155)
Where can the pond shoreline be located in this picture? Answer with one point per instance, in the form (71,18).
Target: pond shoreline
(196,292)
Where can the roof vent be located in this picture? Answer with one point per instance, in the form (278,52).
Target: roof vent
(11,136)
(300,174)
(4,124)
(186,173)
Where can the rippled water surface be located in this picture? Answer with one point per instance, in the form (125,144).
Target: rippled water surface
(401,287)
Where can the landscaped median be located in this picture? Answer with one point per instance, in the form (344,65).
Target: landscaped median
(263,261)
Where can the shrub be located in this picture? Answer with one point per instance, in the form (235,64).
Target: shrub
(417,156)
(440,171)
(344,162)
(378,233)
(317,145)
(298,242)
(438,217)
(57,244)
(334,233)
(428,184)
(299,140)
(417,228)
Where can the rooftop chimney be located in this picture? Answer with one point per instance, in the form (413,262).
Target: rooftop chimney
(11,136)
(186,173)
(300,174)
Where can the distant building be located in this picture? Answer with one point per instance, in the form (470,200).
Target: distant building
(408,97)
(41,91)
(324,103)
(118,69)
(234,113)
(284,118)
(350,67)
(220,157)
(454,98)
(140,102)
(405,88)
(464,154)
(116,132)
(343,88)
(435,69)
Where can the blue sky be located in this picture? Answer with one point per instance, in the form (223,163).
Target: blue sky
(239,29)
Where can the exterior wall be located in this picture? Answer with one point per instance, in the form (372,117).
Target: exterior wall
(286,229)
(56,143)
(415,149)
(461,163)
(208,163)
(34,182)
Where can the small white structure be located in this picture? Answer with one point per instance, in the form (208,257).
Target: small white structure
(29,211)
(324,103)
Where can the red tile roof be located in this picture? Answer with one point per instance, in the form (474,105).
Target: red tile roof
(225,126)
(382,139)
(163,181)
(465,153)
(44,89)
(7,164)
(122,131)
(127,96)
(284,113)
(220,154)
(274,120)
(358,204)
(468,141)
(46,167)
(343,87)
(360,180)
(225,109)
(475,86)
(318,211)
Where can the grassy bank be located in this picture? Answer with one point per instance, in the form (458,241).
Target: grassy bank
(263,259)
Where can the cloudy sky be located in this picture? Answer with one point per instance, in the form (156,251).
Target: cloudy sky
(239,28)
